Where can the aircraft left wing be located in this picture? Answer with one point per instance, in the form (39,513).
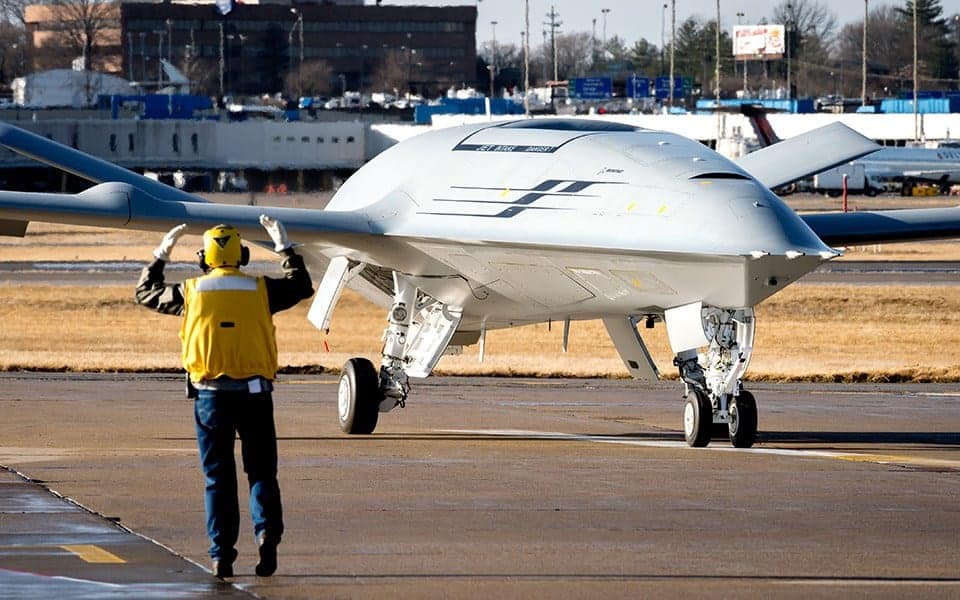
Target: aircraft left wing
(124,206)
(873,227)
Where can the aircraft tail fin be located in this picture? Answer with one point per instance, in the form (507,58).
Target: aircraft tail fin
(761,126)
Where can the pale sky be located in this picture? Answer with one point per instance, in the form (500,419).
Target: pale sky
(632,19)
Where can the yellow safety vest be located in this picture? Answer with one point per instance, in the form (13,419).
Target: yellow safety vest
(227,328)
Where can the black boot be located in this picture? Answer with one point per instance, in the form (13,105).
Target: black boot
(267,547)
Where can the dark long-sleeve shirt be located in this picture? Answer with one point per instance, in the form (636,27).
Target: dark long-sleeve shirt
(282,294)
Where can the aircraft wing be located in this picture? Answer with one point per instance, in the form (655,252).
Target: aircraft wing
(124,206)
(872,227)
(83,165)
(804,155)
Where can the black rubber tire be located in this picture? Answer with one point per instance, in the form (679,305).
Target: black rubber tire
(697,419)
(358,397)
(743,424)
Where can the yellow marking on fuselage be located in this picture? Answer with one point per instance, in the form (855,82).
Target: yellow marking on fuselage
(631,206)
(504,193)
(94,554)
(662,209)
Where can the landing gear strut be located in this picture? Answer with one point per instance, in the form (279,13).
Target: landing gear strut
(715,399)
(364,392)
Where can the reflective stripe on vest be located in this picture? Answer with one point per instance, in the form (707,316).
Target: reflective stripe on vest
(227,328)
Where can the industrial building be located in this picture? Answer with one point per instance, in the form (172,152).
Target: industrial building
(299,48)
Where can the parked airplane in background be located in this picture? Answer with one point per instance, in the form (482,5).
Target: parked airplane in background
(463,230)
(906,166)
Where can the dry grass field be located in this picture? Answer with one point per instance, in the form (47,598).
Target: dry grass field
(838,333)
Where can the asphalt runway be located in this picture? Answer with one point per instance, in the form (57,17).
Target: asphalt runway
(507,488)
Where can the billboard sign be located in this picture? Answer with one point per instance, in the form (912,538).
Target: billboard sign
(593,88)
(758,42)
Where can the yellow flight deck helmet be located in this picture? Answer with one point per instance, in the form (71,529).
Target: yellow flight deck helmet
(222,248)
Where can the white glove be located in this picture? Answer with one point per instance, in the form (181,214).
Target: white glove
(276,232)
(168,242)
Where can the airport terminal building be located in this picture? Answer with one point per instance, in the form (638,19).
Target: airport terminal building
(301,48)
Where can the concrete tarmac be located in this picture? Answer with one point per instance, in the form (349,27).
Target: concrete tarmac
(515,488)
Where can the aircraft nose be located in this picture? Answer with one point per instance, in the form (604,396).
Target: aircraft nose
(770,227)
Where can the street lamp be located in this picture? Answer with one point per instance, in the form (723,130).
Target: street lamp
(493,61)
(229,61)
(605,12)
(169,40)
(143,55)
(299,22)
(159,56)
(740,15)
(863,66)
(220,26)
(663,29)
(242,39)
(130,55)
(789,30)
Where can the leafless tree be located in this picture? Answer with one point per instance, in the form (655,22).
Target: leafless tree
(314,77)
(82,25)
(811,32)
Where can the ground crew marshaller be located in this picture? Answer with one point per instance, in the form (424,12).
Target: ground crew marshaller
(230,355)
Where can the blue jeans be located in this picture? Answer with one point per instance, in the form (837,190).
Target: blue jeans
(220,416)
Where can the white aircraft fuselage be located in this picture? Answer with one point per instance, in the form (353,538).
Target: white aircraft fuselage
(553,224)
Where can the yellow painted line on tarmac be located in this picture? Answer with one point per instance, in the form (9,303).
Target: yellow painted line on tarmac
(93,554)
(897,459)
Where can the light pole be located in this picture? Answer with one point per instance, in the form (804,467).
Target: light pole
(916,121)
(605,12)
(863,65)
(493,60)
(159,56)
(299,23)
(143,55)
(130,55)
(242,39)
(663,35)
(229,61)
(740,15)
(169,41)
(673,43)
(220,25)
(789,30)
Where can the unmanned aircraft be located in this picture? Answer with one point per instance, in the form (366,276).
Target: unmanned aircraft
(462,230)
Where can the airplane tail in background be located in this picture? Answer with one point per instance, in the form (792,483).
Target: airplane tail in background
(761,126)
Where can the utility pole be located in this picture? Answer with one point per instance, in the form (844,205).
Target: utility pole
(170,41)
(740,15)
(663,35)
(221,60)
(493,60)
(916,121)
(673,43)
(863,65)
(789,30)
(526,58)
(130,56)
(554,24)
(716,75)
(605,12)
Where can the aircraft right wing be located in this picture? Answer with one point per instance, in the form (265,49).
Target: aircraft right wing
(874,227)
(803,155)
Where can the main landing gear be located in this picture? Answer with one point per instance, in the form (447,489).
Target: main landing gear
(365,392)
(715,402)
